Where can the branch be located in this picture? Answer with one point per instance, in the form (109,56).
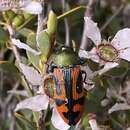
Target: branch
(88,13)
(12,34)
(10,96)
(67,30)
(40,22)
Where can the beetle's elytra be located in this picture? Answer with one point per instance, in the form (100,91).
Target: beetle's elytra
(65,86)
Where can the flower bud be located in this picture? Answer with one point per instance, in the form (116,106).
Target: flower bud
(51,23)
(10,14)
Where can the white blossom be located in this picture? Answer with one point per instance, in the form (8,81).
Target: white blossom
(30,6)
(106,53)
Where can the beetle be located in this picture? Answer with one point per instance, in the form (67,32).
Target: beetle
(64,84)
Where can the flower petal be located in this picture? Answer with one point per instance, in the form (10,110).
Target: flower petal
(33,8)
(107,67)
(93,124)
(122,39)
(88,84)
(89,55)
(36,103)
(119,107)
(22,45)
(31,74)
(58,122)
(125,54)
(92,31)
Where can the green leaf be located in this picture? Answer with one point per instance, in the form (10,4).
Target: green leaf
(8,67)
(120,71)
(24,123)
(34,59)
(4,36)
(44,43)
(25,32)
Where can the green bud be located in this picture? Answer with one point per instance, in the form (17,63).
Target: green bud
(18,20)
(51,23)
(8,15)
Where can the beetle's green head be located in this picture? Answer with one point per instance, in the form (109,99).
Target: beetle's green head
(66,57)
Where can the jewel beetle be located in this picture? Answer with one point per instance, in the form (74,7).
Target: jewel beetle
(64,84)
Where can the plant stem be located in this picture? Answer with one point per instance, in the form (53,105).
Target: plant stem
(88,13)
(60,17)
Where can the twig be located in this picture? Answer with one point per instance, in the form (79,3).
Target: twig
(88,13)
(67,31)
(40,23)
(10,96)
(60,17)
(12,34)
(13,119)
(41,121)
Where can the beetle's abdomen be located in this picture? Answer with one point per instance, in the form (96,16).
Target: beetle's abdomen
(68,93)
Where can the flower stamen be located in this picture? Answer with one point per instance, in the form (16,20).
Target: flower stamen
(107,52)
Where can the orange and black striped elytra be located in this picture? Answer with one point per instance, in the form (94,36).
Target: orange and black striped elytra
(66,85)
(68,93)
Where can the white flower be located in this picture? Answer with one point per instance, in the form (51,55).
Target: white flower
(106,53)
(32,7)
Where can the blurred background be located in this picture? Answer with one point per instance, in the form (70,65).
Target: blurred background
(110,88)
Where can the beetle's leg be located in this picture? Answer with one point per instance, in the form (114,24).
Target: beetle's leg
(51,68)
(46,67)
(87,83)
(85,76)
